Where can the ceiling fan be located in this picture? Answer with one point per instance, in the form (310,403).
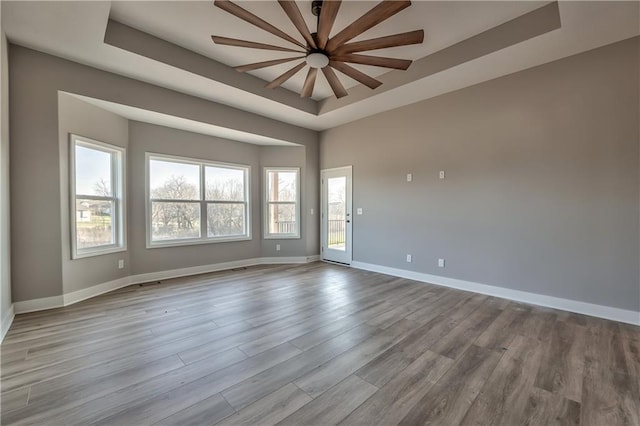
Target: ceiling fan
(324,52)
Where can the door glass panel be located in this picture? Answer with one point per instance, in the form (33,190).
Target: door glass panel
(336,213)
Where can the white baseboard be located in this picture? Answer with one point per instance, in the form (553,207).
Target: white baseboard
(98,289)
(287,260)
(41,304)
(600,311)
(194,270)
(7,320)
(86,293)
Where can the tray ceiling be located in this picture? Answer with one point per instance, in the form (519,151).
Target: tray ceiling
(179,54)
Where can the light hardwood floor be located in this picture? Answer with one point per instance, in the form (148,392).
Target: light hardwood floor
(315,344)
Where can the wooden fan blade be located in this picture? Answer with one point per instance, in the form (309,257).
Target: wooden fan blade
(309,82)
(251,44)
(376,61)
(245,15)
(291,9)
(285,76)
(334,82)
(355,74)
(258,65)
(384,10)
(404,39)
(328,14)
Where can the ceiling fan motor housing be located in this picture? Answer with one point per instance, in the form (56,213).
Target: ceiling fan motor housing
(316,6)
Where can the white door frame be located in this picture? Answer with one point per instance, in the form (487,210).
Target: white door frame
(325,253)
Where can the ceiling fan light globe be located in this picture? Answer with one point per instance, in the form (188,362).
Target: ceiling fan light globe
(317,60)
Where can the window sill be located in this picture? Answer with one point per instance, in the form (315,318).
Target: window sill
(98,252)
(281,237)
(181,243)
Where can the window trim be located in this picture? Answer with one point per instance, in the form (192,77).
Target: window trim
(203,239)
(265,196)
(119,186)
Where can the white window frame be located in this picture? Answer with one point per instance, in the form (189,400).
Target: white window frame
(204,238)
(118,186)
(265,196)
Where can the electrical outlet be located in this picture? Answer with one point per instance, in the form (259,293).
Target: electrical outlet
(441,174)
(409,177)
(440,263)
(121,264)
(277,247)
(408,258)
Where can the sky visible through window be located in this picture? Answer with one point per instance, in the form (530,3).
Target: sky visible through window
(162,172)
(286,186)
(93,169)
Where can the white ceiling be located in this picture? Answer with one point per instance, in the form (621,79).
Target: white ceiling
(75,30)
(445,23)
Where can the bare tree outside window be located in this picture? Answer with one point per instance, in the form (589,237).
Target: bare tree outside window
(176,219)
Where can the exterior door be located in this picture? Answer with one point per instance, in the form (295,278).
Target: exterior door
(336,215)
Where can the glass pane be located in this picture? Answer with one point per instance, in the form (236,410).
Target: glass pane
(93,172)
(94,221)
(174,221)
(224,184)
(336,226)
(282,219)
(225,220)
(281,186)
(169,180)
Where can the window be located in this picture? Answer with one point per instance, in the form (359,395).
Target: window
(97,197)
(282,203)
(192,201)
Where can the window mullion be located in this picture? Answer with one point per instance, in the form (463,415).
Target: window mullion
(171,200)
(114,185)
(94,197)
(203,205)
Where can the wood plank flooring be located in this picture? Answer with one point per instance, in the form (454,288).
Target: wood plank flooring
(315,344)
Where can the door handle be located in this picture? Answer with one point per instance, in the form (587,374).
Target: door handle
(348,221)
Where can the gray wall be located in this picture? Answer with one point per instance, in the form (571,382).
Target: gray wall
(80,118)
(35,80)
(157,139)
(5,256)
(542,186)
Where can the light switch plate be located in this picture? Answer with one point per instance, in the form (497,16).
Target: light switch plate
(409,177)
(441,174)
(359,210)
